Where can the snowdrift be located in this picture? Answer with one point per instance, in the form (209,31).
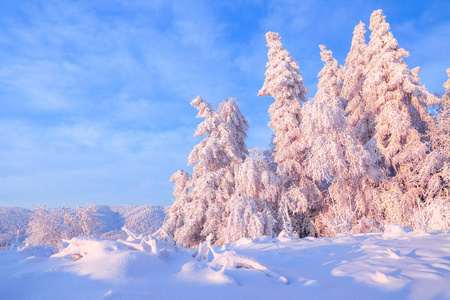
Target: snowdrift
(398,264)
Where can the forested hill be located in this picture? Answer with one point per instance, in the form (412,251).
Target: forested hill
(139,219)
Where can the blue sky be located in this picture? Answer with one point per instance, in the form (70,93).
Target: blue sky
(94,95)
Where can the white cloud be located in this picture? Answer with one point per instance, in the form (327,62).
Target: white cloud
(88,162)
(95,96)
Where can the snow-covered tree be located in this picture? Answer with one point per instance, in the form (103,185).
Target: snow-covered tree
(395,105)
(50,226)
(252,211)
(177,213)
(208,157)
(395,100)
(440,127)
(284,83)
(88,221)
(335,158)
(46,226)
(212,182)
(353,80)
(430,179)
(234,129)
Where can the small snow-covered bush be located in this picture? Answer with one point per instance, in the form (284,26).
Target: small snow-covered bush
(249,217)
(434,215)
(51,226)
(46,227)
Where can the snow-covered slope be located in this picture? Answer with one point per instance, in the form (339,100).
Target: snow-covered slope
(144,219)
(393,265)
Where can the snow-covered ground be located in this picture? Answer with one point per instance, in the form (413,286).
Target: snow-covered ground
(394,265)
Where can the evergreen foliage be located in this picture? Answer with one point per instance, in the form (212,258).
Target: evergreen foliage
(362,153)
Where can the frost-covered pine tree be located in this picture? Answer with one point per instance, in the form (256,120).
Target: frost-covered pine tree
(232,131)
(431,177)
(395,100)
(212,182)
(336,161)
(440,128)
(176,216)
(353,80)
(208,157)
(284,83)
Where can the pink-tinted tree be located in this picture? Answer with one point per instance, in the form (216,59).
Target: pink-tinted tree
(284,83)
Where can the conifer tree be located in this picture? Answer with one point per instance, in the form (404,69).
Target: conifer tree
(208,157)
(395,100)
(335,159)
(200,205)
(177,213)
(431,177)
(440,128)
(284,83)
(235,128)
(353,80)
(232,131)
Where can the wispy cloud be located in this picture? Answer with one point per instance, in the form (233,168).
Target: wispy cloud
(95,94)
(44,163)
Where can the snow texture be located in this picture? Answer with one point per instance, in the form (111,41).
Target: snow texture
(398,264)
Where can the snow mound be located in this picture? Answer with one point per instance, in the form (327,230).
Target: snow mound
(77,248)
(36,251)
(393,230)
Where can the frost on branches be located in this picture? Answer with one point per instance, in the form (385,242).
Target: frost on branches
(353,80)
(175,219)
(200,207)
(46,227)
(51,226)
(335,157)
(395,100)
(432,176)
(363,153)
(284,83)
(440,128)
(253,208)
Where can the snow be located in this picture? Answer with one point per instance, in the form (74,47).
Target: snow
(144,219)
(397,264)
